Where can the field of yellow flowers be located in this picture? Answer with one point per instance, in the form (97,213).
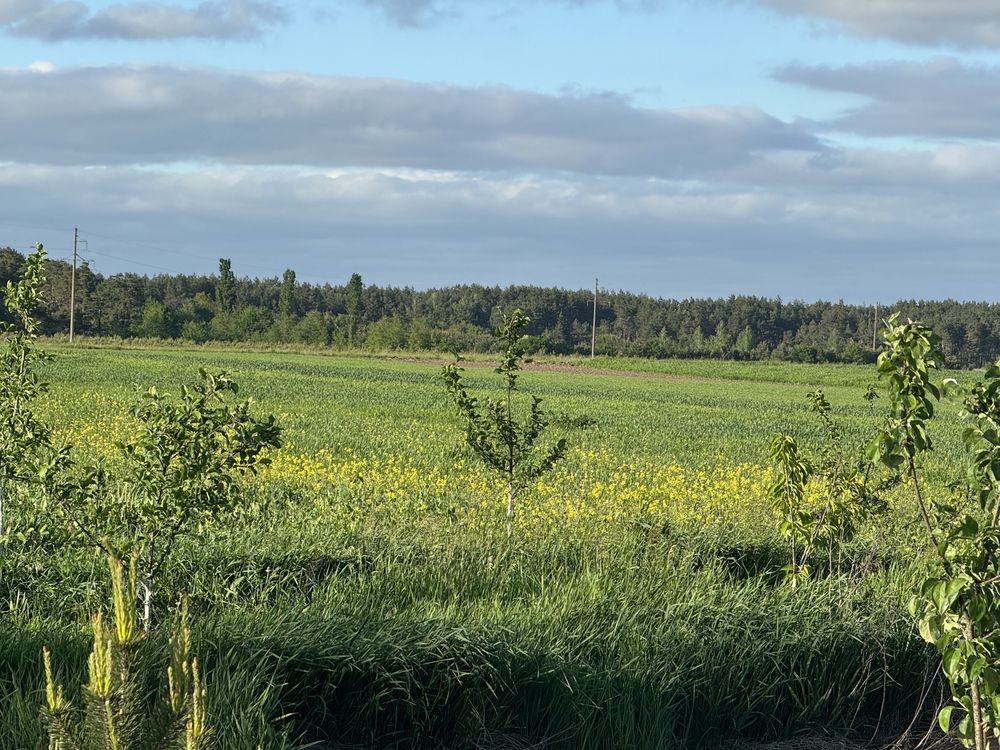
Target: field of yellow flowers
(375,441)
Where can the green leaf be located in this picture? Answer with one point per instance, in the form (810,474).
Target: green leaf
(974,668)
(894,460)
(926,631)
(951,662)
(977,609)
(964,729)
(873,451)
(944,718)
(950,592)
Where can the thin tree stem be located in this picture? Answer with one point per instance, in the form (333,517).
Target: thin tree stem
(977,709)
(920,501)
(510,508)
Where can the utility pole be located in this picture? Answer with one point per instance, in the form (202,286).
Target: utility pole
(72,286)
(593,327)
(874,326)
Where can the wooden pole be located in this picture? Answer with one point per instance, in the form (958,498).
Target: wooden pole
(72,287)
(875,327)
(593,327)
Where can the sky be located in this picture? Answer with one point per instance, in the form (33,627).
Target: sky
(807,149)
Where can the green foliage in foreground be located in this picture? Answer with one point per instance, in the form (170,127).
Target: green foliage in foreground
(116,711)
(642,646)
(26,451)
(958,606)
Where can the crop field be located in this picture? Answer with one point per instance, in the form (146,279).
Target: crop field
(682,441)
(364,592)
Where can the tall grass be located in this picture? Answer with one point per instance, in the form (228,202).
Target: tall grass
(630,645)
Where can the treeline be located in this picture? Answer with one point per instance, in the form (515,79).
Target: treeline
(224,307)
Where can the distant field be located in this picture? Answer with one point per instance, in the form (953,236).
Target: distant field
(690,411)
(366,593)
(693,413)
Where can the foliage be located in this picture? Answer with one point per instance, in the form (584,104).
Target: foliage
(960,610)
(224,307)
(982,439)
(180,470)
(849,493)
(286,298)
(912,351)
(114,699)
(792,474)
(501,440)
(225,287)
(354,305)
(27,453)
(958,607)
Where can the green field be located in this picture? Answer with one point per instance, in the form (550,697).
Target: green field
(365,594)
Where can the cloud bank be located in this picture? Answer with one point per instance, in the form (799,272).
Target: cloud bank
(60,20)
(788,226)
(418,13)
(128,114)
(429,184)
(941,98)
(961,23)
(965,24)
(437,184)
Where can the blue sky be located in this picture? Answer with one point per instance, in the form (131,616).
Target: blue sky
(801,148)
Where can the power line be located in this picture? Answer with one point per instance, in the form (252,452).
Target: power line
(150,246)
(266,272)
(171,251)
(103,254)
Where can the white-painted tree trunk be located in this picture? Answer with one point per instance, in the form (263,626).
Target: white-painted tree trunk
(146,590)
(510,507)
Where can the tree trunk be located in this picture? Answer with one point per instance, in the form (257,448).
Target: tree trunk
(510,507)
(977,709)
(146,585)
(923,508)
(795,565)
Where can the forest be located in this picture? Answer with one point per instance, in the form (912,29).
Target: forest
(224,307)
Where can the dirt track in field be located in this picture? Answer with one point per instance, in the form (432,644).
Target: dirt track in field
(472,364)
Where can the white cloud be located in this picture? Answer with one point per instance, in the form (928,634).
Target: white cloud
(417,13)
(410,13)
(941,98)
(959,23)
(58,20)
